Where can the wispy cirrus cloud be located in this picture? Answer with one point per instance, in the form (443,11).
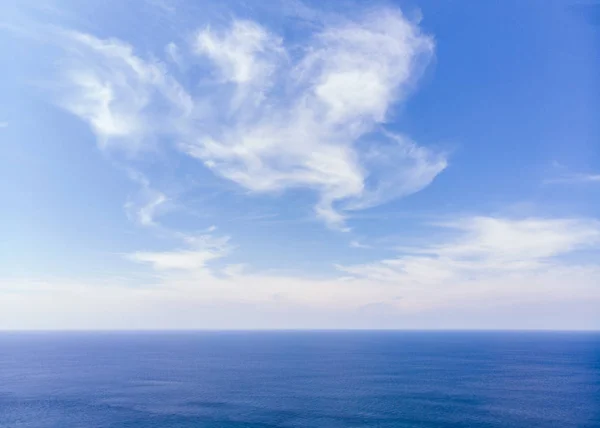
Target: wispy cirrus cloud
(271,118)
(297,122)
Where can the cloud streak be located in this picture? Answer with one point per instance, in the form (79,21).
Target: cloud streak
(575,179)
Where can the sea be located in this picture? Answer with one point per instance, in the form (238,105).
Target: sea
(311,379)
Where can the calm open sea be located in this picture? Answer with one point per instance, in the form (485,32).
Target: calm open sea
(300,379)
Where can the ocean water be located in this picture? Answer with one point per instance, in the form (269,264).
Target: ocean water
(300,379)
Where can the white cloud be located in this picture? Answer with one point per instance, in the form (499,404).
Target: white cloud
(172,51)
(147,203)
(246,53)
(304,132)
(402,168)
(358,244)
(147,212)
(3,124)
(273,119)
(201,250)
(357,70)
(181,259)
(518,240)
(488,259)
(207,241)
(496,272)
(562,175)
(128,102)
(485,248)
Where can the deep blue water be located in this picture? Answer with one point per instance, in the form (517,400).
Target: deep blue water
(300,379)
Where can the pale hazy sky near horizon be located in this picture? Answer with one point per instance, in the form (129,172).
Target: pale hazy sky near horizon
(286,164)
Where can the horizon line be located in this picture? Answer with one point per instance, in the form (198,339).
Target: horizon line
(305,330)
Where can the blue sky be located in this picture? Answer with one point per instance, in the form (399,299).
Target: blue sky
(333,164)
